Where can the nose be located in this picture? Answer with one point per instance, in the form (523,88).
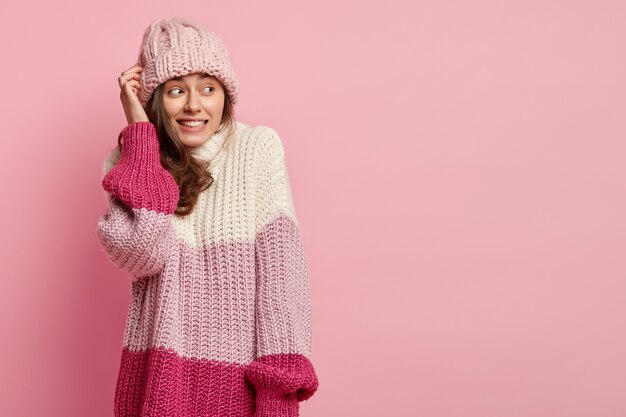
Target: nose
(192,103)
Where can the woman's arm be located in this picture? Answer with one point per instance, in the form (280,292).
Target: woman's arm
(282,373)
(137,231)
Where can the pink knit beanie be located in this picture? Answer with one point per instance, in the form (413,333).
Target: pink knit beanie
(176,46)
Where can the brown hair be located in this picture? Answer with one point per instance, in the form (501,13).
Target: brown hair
(191,175)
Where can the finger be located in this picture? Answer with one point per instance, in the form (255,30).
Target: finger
(129,85)
(128,73)
(133,68)
(126,78)
(135,85)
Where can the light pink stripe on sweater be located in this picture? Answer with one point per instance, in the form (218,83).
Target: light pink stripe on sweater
(136,240)
(284,309)
(202,305)
(196,308)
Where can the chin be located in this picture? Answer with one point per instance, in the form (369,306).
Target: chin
(193,143)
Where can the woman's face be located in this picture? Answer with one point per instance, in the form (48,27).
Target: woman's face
(196,96)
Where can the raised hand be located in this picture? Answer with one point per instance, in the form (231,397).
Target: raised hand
(129,86)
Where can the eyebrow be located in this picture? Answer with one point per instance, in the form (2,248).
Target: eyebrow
(202,76)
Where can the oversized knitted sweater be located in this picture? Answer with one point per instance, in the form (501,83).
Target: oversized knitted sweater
(219,319)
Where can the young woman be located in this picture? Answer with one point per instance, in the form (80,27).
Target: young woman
(200,215)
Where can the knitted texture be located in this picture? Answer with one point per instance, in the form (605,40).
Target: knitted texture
(139,180)
(176,46)
(219,321)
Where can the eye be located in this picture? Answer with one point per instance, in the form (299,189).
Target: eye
(178,88)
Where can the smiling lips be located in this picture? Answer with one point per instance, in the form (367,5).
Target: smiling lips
(191,120)
(192,124)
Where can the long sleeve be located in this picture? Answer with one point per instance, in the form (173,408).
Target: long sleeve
(282,372)
(137,231)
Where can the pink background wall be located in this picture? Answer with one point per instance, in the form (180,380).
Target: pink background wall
(458,171)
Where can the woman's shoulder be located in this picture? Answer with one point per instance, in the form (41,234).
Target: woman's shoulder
(261,138)
(254,131)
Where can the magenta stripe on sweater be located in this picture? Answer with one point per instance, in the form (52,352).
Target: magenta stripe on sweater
(291,375)
(178,386)
(139,179)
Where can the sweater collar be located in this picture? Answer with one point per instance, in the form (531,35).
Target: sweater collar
(209,149)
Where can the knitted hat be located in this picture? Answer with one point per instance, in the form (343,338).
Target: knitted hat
(176,46)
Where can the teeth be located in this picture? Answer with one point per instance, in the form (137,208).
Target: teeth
(192,124)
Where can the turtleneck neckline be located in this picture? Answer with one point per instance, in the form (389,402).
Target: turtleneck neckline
(209,149)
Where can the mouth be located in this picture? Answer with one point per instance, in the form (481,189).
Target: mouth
(192,122)
(192,125)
